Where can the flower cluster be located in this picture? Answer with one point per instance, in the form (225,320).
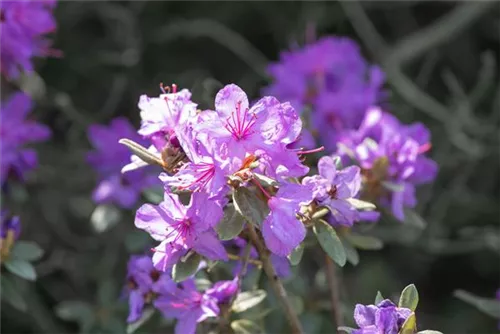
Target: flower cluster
(332,80)
(183,301)
(23,25)
(392,159)
(383,318)
(108,159)
(16,130)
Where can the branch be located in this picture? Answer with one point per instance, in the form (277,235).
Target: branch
(333,285)
(275,281)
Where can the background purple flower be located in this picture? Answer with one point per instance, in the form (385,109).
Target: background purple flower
(16,130)
(12,224)
(331,78)
(108,158)
(391,157)
(23,25)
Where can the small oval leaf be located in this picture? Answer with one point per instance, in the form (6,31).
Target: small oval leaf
(365,242)
(76,310)
(11,294)
(26,250)
(361,205)
(409,297)
(183,270)
(21,268)
(146,315)
(247,300)
(141,152)
(378,298)
(351,253)
(296,255)
(410,325)
(248,205)
(231,224)
(245,326)
(330,242)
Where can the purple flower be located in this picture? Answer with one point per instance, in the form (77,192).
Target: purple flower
(392,160)
(384,318)
(264,130)
(183,302)
(223,291)
(142,282)
(23,25)
(162,115)
(332,80)
(15,132)
(281,229)
(333,188)
(10,225)
(180,228)
(109,157)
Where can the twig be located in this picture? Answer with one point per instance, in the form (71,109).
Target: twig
(220,34)
(276,284)
(333,285)
(238,258)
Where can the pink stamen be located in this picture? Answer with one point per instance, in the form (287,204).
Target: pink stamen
(239,125)
(424,148)
(207,173)
(315,150)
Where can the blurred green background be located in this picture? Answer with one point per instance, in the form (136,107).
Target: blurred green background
(445,76)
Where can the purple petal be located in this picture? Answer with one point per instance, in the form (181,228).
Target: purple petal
(208,245)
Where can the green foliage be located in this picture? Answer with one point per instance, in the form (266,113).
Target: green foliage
(146,315)
(245,326)
(330,242)
(26,250)
(186,268)
(21,268)
(409,297)
(486,305)
(296,255)
(248,299)
(231,224)
(249,206)
(11,294)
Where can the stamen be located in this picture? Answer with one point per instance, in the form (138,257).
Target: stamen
(315,150)
(424,148)
(257,183)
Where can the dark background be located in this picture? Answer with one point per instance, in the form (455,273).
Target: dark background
(116,51)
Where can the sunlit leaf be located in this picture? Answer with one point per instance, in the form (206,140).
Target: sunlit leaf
(183,270)
(231,224)
(487,305)
(351,253)
(330,242)
(147,313)
(245,326)
(248,299)
(26,250)
(410,325)
(361,205)
(296,255)
(378,297)
(409,297)
(21,268)
(105,217)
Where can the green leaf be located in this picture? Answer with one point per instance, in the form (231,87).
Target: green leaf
(409,326)
(11,294)
(365,242)
(265,180)
(21,268)
(26,250)
(185,269)
(247,300)
(202,284)
(346,329)
(351,253)
(231,224)
(136,241)
(320,213)
(392,186)
(409,297)
(330,242)
(146,315)
(361,205)
(338,162)
(487,305)
(153,195)
(296,255)
(104,217)
(414,219)
(249,206)
(245,326)
(428,331)
(378,298)
(141,152)
(78,311)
